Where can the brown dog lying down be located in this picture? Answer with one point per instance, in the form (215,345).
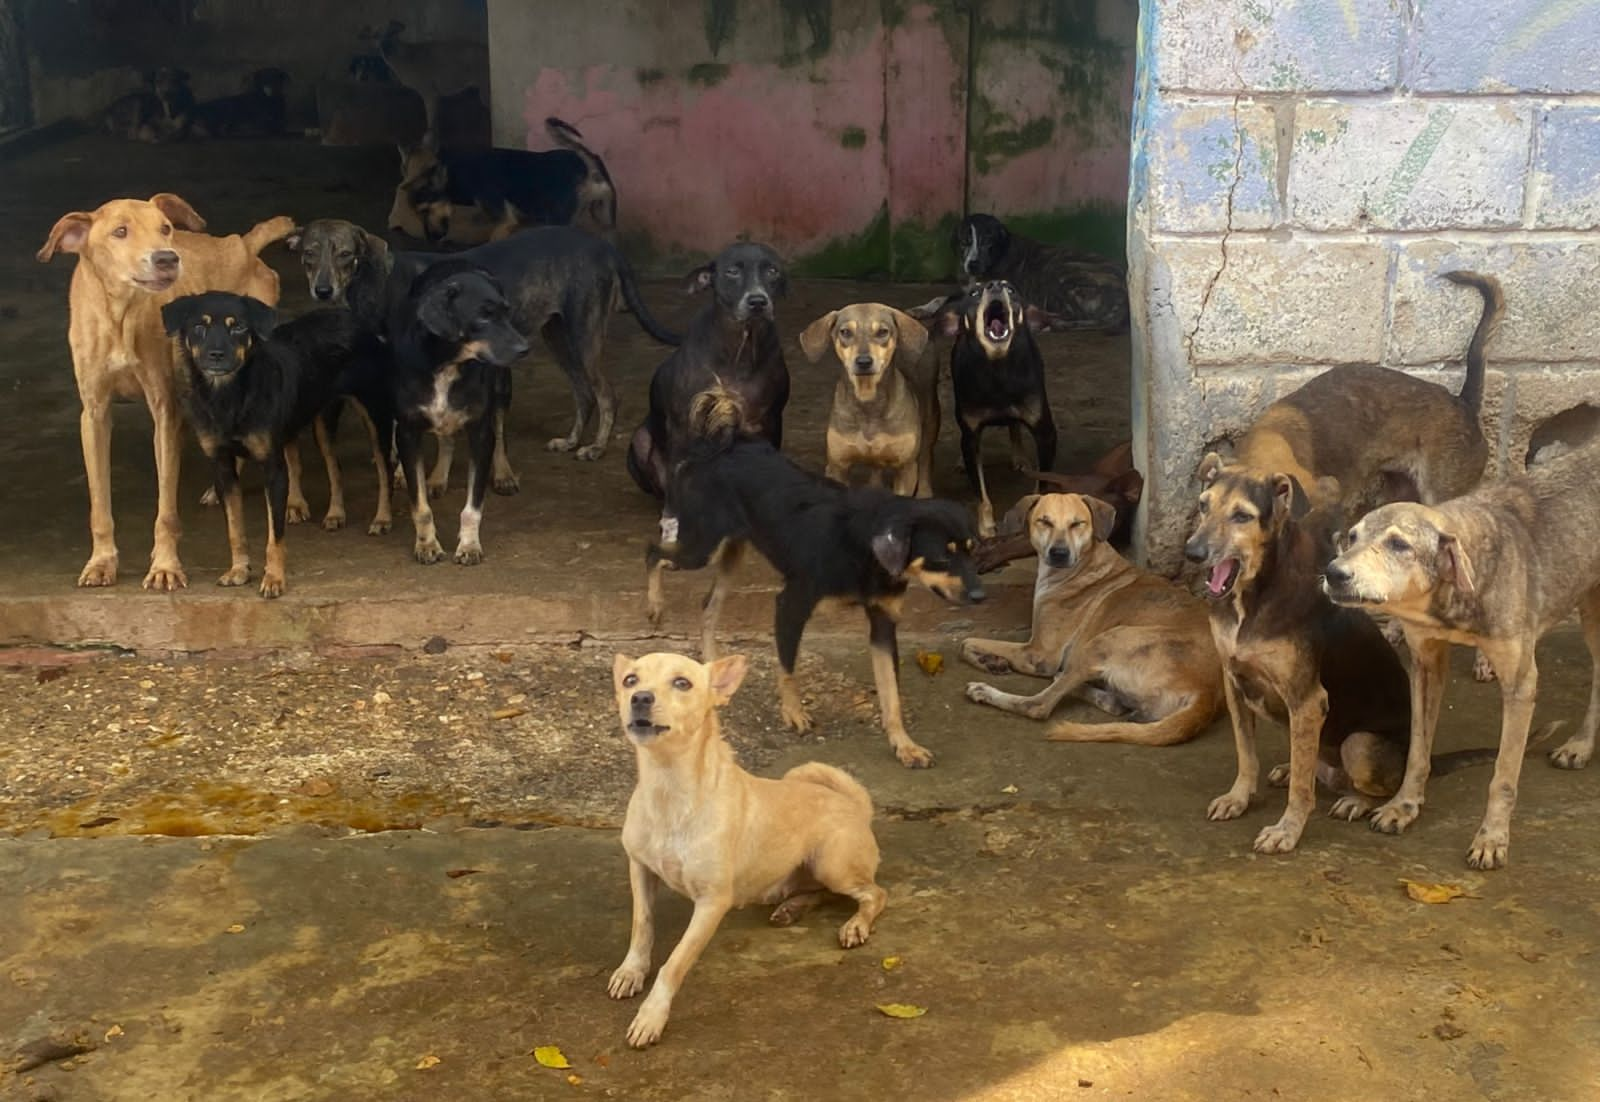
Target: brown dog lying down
(1497,568)
(1126,640)
(710,831)
(1111,478)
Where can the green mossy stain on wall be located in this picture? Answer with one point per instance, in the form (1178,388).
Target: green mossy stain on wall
(1093,227)
(864,255)
(721,20)
(919,252)
(708,74)
(853,137)
(647,77)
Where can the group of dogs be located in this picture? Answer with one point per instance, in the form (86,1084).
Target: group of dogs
(420,342)
(165,108)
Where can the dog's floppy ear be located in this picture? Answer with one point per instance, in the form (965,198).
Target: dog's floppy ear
(1288,499)
(1454,566)
(1016,519)
(619,669)
(891,545)
(727,674)
(436,312)
(700,279)
(67,235)
(377,249)
(295,239)
(1210,467)
(261,318)
(177,314)
(910,337)
(181,213)
(950,318)
(1104,515)
(816,337)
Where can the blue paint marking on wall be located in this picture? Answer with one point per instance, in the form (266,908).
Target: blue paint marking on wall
(1568,167)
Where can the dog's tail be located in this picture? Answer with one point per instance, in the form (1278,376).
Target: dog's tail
(1456,760)
(1180,726)
(1494,306)
(828,776)
(716,415)
(631,296)
(597,194)
(265,233)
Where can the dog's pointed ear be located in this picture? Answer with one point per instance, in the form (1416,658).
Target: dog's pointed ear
(891,545)
(1210,467)
(1454,566)
(1015,521)
(179,211)
(1104,515)
(176,315)
(377,250)
(910,337)
(929,310)
(261,318)
(816,337)
(700,279)
(67,235)
(727,674)
(435,313)
(1288,499)
(619,669)
(950,319)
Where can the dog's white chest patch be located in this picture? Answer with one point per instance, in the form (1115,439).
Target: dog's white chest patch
(438,411)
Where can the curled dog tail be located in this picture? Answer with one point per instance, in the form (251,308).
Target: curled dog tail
(815,772)
(1494,306)
(262,234)
(1180,726)
(631,296)
(1441,765)
(597,194)
(716,415)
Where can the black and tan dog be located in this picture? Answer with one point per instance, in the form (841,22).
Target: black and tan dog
(258,111)
(1080,290)
(469,196)
(250,386)
(707,829)
(885,414)
(853,546)
(1129,642)
(1497,569)
(997,374)
(158,111)
(732,345)
(451,340)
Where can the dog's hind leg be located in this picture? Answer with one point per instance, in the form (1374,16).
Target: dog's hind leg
(1576,751)
(1019,453)
(886,675)
(793,609)
(1044,441)
(298,509)
(334,518)
(504,480)
(1042,703)
(587,337)
(381,440)
(1519,685)
(847,864)
(727,559)
(440,476)
(1370,769)
(558,337)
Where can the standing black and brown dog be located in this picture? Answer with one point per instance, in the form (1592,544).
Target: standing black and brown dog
(451,340)
(858,546)
(998,377)
(733,345)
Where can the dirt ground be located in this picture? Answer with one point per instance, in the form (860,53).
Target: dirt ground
(354,875)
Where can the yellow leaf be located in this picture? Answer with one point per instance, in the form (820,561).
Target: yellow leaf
(550,1056)
(236,929)
(114,1031)
(901,1010)
(507,713)
(931,661)
(1433,893)
(575,1079)
(1010,790)
(429,1061)
(891,963)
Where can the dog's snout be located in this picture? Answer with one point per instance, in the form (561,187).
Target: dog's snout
(1336,574)
(1195,551)
(863,363)
(1059,556)
(323,291)
(757,301)
(164,259)
(643,699)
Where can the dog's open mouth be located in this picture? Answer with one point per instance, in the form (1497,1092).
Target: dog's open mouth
(1220,581)
(157,283)
(996,320)
(642,727)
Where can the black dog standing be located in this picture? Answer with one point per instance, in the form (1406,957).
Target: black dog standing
(452,340)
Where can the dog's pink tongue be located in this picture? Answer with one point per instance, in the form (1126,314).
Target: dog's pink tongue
(1219,576)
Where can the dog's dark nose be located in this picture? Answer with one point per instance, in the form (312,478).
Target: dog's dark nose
(1195,551)
(1336,574)
(643,699)
(164,260)
(757,301)
(863,363)
(323,291)
(1059,556)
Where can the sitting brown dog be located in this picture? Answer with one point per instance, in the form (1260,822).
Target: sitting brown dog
(1126,640)
(710,831)
(883,418)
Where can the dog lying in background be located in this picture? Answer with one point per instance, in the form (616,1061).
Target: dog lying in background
(1080,290)
(1497,569)
(1131,643)
(252,385)
(159,110)
(705,828)
(885,416)
(470,196)
(732,344)
(258,111)
(853,546)
(451,341)
(135,256)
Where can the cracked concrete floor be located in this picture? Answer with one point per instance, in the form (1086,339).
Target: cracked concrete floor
(1072,925)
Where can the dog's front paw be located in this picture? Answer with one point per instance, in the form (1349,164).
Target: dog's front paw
(560,444)
(505,482)
(333,520)
(428,552)
(795,716)
(854,932)
(297,512)
(235,575)
(98,571)
(1572,754)
(379,526)
(1230,805)
(166,577)
(435,489)
(271,584)
(210,498)
(1278,775)
(649,1023)
(1281,837)
(1351,808)
(979,692)
(1489,849)
(469,554)
(1394,816)
(1482,668)
(913,756)
(626,982)
(590,452)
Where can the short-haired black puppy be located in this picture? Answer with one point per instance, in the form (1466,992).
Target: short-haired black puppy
(452,339)
(250,386)
(858,545)
(734,344)
(997,375)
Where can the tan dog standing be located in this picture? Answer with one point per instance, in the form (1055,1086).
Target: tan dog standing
(1126,640)
(134,257)
(700,824)
(884,417)
(1497,569)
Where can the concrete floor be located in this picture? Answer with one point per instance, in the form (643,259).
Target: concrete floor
(214,881)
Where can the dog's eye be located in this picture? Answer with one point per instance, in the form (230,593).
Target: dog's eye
(345,254)
(847,334)
(1077,524)
(881,334)
(166,231)
(199,328)
(1241,517)
(681,684)
(630,681)
(1396,544)
(120,231)
(1045,522)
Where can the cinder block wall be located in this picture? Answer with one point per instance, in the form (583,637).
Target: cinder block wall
(1302,172)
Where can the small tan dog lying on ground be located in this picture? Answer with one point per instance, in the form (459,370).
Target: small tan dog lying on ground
(1497,568)
(884,417)
(1129,642)
(710,831)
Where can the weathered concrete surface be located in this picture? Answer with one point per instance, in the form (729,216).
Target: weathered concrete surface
(1214,167)
(1278,46)
(1517,46)
(1564,189)
(1085,935)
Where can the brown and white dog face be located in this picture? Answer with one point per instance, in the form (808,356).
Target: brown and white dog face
(128,240)
(664,700)
(1062,527)
(1241,511)
(332,251)
(865,337)
(1396,559)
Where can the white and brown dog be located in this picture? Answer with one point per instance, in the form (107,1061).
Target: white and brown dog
(700,824)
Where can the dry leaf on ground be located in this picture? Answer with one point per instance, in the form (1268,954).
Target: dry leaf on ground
(428,1061)
(901,1010)
(891,963)
(931,661)
(550,1056)
(507,713)
(1434,893)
